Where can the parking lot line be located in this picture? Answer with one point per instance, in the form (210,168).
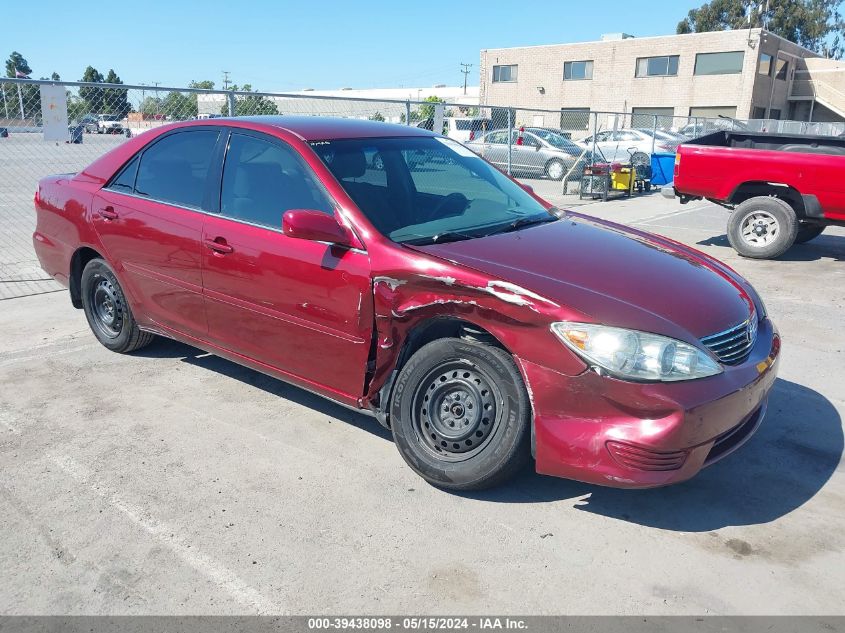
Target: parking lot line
(12,359)
(661,216)
(220,575)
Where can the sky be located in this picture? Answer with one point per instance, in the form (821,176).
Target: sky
(321,44)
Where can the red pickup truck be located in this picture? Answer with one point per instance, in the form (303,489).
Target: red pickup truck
(781,188)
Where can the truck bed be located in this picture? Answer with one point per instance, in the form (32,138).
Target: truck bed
(834,145)
(729,167)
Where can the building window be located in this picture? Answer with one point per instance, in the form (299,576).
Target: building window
(713,112)
(765,65)
(578,70)
(657,66)
(781,69)
(774,113)
(719,63)
(574,118)
(504,73)
(647,117)
(759,112)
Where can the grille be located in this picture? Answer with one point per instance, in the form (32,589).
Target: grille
(642,458)
(733,345)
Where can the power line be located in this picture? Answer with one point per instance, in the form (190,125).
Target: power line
(465,70)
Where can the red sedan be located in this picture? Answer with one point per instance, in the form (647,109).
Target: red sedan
(394,271)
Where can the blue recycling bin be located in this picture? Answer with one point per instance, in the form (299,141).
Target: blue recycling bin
(75,133)
(662,168)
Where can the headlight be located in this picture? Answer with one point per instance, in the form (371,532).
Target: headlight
(636,355)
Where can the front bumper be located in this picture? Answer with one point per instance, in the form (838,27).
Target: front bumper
(639,435)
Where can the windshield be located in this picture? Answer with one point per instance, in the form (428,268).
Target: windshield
(428,189)
(109,117)
(557,140)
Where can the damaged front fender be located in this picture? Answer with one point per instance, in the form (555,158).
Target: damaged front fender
(407,298)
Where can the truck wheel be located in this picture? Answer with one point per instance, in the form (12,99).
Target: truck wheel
(763,227)
(807,232)
(107,310)
(460,415)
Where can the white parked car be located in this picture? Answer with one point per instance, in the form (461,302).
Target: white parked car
(465,129)
(618,145)
(109,124)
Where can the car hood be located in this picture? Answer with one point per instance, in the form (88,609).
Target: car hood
(611,274)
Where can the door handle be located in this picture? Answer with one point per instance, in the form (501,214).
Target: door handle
(108,213)
(219,245)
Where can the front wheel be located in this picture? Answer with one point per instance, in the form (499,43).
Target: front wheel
(762,228)
(460,415)
(107,310)
(555,169)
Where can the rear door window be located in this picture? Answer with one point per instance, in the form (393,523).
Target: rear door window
(175,169)
(125,180)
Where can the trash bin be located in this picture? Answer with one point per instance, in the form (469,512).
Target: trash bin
(75,133)
(662,168)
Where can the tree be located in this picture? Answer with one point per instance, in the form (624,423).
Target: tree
(249,105)
(814,24)
(178,105)
(92,95)
(150,105)
(17,64)
(116,100)
(377,116)
(76,107)
(427,111)
(27,95)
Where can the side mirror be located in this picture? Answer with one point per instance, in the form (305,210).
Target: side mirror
(317,226)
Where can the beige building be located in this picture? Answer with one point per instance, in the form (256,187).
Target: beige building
(749,73)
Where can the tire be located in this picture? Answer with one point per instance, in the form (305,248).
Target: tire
(482,437)
(555,169)
(807,232)
(762,228)
(107,310)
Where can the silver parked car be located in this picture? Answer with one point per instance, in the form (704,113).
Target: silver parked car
(534,151)
(618,145)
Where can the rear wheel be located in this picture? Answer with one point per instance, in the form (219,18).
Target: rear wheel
(107,310)
(460,415)
(762,228)
(807,232)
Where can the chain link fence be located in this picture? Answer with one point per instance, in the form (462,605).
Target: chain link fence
(558,145)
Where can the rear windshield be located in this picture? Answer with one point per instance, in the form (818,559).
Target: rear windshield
(427,189)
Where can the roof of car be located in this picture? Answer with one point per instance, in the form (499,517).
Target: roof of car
(318,128)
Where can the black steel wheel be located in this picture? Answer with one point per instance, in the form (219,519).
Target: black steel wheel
(460,414)
(107,310)
(454,410)
(107,306)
